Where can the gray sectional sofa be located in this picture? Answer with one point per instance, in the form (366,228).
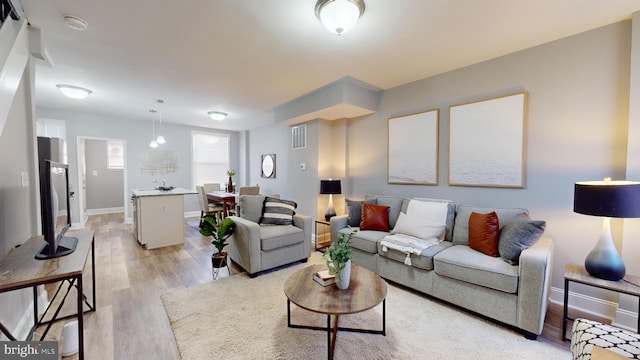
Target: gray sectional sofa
(514,294)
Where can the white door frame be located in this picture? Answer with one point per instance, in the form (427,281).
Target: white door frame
(81,182)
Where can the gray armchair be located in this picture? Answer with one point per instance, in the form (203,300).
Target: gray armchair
(257,247)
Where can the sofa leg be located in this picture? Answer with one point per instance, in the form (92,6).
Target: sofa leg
(530,336)
(304,260)
(253,276)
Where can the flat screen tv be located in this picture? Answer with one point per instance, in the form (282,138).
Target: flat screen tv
(56,211)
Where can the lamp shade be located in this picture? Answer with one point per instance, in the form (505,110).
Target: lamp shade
(609,198)
(328,187)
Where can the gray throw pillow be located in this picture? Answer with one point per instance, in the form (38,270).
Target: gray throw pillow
(354,209)
(278,212)
(518,234)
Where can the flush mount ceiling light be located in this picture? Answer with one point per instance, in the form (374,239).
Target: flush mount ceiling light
(74,92)
(75,23)
(217,115)
(339,16)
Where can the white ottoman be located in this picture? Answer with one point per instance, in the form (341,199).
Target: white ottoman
(587,333)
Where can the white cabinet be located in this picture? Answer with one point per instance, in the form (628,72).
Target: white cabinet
(159,218)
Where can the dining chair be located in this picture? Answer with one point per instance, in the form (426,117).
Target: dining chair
(206,207)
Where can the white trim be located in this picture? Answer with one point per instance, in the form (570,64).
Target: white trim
(113,210)
(585,303)
(627,320)
(22,329)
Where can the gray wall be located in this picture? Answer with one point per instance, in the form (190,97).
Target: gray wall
(18,210)
(137,135)
(104,186)
(578,102)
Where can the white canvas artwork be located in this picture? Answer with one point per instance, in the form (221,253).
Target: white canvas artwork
(413,149)
(487,142)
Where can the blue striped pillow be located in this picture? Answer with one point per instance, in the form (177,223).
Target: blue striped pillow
(278,212)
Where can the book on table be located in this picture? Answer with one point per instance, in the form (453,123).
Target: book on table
(324,278)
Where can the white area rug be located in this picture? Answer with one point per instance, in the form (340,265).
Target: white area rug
(243,318)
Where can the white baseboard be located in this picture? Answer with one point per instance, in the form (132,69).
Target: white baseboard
(601,308)
(22,329)
(189,214)
(102,211)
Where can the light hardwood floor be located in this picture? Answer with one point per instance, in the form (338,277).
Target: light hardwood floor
(130,321)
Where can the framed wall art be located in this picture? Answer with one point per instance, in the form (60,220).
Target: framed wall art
(487,142)
(268,166)
(413,148)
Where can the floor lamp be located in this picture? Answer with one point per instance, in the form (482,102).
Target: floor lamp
(607,198)
(330,187)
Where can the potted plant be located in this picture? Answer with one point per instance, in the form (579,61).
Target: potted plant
(230,174)
(338,259)
(219,230)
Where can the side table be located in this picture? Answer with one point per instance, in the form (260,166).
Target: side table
(323,239)
(578,274)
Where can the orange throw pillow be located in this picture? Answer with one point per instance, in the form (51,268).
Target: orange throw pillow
(374,217)
(484,233)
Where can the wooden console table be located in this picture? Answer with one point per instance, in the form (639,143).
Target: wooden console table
(19,270)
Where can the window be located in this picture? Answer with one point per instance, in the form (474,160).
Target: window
(115,154)
(210,154)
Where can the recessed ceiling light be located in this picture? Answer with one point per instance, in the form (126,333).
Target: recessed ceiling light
(217,115)
(74,92)
(75,22)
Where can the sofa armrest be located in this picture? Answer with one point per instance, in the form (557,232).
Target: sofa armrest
(304,222)
(337,223)
(535,281)
(245,245)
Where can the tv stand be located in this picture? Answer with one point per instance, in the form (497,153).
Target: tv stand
(19,270)
(66,246)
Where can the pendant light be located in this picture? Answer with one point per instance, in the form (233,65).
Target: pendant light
(154,142)
(160,140)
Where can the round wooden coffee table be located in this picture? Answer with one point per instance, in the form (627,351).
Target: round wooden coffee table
(366,290)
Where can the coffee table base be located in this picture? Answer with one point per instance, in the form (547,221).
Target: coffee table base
(332,332)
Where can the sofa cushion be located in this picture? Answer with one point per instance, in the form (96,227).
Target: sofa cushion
(461,228)
(483,233)
(277,236)
(517,235)
(354,211)
(277,211)
(423,261)
(418,227)
(365,240)
(451,215)
(393,202)
(462,263)
(374,217)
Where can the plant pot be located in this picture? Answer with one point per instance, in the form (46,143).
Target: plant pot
(219,260)
(344,276)
(230,185)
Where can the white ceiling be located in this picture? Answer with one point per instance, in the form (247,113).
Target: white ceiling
(245,57)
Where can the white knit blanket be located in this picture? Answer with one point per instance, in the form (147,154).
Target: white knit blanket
(407,244)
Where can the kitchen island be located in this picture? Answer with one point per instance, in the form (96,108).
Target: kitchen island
(158,216)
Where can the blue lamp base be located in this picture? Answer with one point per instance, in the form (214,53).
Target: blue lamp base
(603,261)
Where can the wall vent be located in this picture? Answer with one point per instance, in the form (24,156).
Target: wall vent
(299,137)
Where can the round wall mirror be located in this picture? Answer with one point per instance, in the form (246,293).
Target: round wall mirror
(269,165)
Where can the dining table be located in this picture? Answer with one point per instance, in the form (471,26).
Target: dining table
(227,199)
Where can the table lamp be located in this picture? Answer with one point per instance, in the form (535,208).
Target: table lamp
(607,198)
(330,187)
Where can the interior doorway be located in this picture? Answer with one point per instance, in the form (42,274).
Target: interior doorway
(102,170)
